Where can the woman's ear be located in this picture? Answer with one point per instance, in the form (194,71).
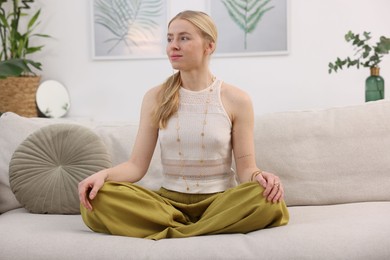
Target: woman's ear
(210,48)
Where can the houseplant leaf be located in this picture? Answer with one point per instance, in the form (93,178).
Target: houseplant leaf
(366,54)
(17,67)
(15,41)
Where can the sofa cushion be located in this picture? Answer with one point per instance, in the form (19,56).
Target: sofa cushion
(14,130)
(46,168)
(329,156)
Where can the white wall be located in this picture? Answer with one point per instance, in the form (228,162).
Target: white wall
(113,90)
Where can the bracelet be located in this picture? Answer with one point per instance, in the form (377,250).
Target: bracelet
(254,174)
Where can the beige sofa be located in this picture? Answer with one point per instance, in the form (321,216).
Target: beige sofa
(334,163)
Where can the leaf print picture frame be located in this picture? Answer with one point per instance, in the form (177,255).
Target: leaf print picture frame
(128,29)
(251,27)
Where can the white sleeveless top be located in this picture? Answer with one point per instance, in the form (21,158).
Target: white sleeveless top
(187,166)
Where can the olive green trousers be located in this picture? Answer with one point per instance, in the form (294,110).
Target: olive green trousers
(130,210)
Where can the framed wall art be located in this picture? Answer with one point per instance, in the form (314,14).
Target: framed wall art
(128,29)
(251,27)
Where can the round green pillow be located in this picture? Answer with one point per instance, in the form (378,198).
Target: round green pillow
(46,168)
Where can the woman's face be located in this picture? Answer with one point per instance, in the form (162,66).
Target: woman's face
(186,47)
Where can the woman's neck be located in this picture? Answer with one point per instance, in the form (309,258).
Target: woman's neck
(196,81)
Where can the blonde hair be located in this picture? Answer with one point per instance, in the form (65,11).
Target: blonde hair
(168,100)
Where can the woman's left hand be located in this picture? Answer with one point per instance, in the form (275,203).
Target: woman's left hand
(274,191)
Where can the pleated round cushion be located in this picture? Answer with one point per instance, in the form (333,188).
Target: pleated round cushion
(46,168)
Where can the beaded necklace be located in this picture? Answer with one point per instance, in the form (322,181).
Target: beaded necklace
(202,136)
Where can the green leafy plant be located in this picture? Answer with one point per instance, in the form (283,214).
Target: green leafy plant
(366,54)
(247,14)
(15,42)
(129,21)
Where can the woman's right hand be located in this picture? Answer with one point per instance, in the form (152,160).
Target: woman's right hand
(89,187)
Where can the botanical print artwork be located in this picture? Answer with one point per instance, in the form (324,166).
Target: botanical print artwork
(129,28)
(247,14)
(248,27)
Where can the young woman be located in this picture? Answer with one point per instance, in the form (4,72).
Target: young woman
(200,121)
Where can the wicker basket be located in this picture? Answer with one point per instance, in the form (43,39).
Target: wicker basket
(17,94)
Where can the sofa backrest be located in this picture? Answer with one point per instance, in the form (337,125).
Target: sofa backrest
(329,156)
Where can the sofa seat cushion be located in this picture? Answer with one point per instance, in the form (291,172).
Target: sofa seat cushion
(348,231)
(46,168)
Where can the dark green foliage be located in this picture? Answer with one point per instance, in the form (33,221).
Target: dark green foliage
(15,43)
(366,54)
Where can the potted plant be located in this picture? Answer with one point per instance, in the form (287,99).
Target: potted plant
(366,55)
(18,81)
